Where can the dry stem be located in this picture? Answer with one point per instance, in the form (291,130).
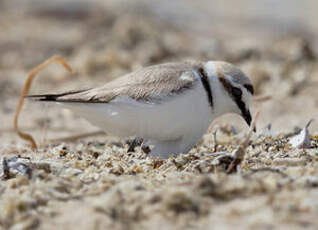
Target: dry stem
(25,90)
(239,153)
(262,98)
(76,137)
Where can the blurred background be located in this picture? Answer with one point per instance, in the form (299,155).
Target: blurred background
(274,42)
(94,183)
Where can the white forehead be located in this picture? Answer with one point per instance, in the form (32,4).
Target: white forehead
(210,68)
(232,73)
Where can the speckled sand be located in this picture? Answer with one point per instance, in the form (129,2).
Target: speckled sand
(93,183)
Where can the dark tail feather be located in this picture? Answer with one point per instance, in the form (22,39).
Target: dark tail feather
(52,97)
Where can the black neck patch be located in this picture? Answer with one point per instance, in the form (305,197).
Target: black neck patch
(236,95)
(205,82)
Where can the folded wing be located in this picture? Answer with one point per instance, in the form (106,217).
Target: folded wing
(144,84)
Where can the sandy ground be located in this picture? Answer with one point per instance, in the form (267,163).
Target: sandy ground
(93,183)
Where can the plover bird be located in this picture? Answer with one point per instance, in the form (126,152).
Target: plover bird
(170,105)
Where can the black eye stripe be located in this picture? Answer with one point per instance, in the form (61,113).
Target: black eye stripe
(249,88)
(238,99)
(236,92)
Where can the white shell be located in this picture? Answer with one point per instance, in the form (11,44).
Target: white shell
(302,139)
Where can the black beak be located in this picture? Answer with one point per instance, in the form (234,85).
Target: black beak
(247,117)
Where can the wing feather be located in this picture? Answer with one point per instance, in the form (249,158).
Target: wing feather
(144,84)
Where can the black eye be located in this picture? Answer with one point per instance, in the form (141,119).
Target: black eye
(236,92)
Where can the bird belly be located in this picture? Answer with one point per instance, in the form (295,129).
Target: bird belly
(169,118)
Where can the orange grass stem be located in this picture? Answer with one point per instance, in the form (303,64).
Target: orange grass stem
(25,91)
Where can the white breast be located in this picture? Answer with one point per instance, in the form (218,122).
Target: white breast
(172,117)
